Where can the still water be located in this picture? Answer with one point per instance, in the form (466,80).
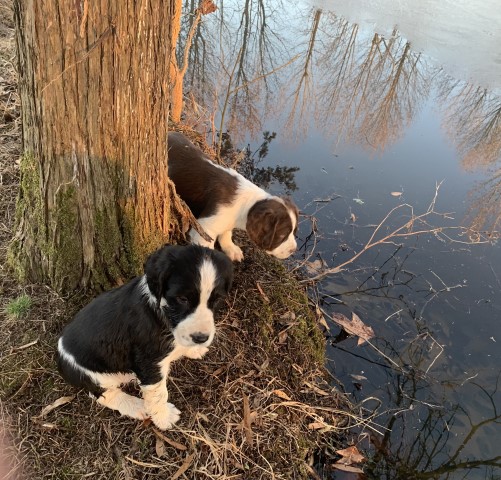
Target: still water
(376,105)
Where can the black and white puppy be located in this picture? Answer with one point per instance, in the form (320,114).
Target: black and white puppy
(222,199)
(137,330)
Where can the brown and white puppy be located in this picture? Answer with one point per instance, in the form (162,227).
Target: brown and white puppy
(222,199)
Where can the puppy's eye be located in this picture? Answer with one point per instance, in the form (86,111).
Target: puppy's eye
(182,300)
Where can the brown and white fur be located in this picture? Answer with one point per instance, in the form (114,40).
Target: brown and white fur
(222,199)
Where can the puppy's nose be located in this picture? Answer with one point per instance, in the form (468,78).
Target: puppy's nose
(199,337)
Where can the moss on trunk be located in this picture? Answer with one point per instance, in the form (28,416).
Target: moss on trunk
(95,196)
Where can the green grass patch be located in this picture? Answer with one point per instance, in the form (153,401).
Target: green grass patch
(19,307)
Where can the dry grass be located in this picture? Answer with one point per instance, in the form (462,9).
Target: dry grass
(258,406)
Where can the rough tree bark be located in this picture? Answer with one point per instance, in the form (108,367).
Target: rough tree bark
(95,198)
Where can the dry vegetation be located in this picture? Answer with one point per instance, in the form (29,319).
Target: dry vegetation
(258,406)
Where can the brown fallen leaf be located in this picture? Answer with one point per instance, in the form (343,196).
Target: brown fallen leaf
(353,218)
(316,389)
(159,447)
(316,425)
(264,365)
(186,464)
(57,403)
(355,326)
(201,415)
(288,318)
(396,194)
(247,421)
(50,426)
(350,455)
(261,291)
(281,394)
(144,464)
(312,472)
(172,443)
(282,336)
(220,370)
(321,319)
(147,422)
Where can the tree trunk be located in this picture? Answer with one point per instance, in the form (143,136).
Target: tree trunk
(95,198)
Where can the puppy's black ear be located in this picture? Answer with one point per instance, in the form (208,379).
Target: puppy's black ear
(158,269)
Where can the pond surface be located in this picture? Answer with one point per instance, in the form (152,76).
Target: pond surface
(383,106)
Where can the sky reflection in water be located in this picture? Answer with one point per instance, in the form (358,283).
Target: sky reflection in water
(364,113)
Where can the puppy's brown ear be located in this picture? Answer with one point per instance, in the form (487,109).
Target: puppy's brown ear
(261,224)
(157,269)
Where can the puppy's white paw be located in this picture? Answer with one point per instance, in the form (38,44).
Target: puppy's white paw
(196,352)
(167,418)
(136,409)
(233,251)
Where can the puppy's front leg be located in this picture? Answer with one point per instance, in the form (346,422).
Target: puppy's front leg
(196,352)
(227,246)
(163,414)
(197,239)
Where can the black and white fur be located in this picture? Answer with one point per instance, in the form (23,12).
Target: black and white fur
(137,330)
(222,199)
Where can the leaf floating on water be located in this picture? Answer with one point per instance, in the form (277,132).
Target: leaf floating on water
(355,326)
(347,468)
(350,455)
(314,267)
(397,194)
(363,331)
(359,201)
(353,218)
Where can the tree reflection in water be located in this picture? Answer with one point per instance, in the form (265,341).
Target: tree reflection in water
(473,119)
(435,451)
(251,62)
(302,67)
(421,438)
(247,163)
